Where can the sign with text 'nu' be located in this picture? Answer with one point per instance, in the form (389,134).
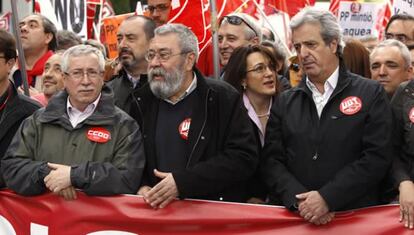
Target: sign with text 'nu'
(66,14)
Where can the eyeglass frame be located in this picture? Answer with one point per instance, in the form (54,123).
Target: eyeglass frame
(87,72)
(240,20)
(398,36)
(270,66)
(157,54)
(159,7)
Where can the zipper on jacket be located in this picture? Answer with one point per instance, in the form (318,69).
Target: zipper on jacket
(140,112)
(202,129)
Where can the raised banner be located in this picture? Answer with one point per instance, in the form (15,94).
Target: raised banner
(358,19)
(66,14)
(24,8)
(49,214)
(403,6)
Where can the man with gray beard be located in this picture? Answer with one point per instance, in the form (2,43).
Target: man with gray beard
(133,36)
(198,139)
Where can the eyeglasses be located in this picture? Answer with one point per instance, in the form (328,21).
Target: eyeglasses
(159,7)
(400,37)
(262,68)
(79,74)
(162,55)
(236,20)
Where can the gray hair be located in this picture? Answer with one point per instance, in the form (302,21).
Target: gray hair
(81,50)
(186,38)
(330,29)
(405,53)
(250,31)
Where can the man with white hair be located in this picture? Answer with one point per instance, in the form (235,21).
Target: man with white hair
(199,141)
(327,144)
(235,30)
(390,64)
(81,140)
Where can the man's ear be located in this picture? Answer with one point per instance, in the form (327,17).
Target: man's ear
(333,45)
(190,61)
(255,40)
(10,64)
(49,37)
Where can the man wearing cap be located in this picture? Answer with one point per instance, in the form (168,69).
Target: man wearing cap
(81,140)
(328,140)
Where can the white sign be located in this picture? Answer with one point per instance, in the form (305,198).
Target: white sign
(403,6)
(66,14)
(24,8)
(358,19)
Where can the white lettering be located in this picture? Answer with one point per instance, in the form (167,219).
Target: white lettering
(6,227)
(37,229)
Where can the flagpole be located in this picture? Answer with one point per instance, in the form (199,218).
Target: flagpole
(214,36)
(268,22)
(22,62)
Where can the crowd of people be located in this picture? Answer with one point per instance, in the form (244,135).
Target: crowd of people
(326,130)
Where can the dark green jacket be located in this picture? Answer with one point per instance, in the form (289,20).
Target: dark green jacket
(112,167)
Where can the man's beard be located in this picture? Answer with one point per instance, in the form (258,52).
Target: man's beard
(167,87)
(129,64)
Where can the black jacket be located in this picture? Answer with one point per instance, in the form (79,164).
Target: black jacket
(18,107)
(343,157)
(113,165)
(403,133)
(224,148)
(122,89)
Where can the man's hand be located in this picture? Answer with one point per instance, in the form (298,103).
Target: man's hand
(162,193)
(324,219)
(68,193)
(407,203)
(143,190)
(312,206)
(58,178)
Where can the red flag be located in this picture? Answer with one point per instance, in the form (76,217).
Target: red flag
(93,17)
(383,18)
(334,7)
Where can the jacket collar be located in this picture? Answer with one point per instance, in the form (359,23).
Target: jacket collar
(103,114)
(343,81)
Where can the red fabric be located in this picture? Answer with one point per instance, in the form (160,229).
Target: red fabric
(131,214)
(38,68)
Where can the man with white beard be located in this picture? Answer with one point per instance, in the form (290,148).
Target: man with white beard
(199,142)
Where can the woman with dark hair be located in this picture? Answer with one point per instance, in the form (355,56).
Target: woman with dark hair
(356,58)
(252,71)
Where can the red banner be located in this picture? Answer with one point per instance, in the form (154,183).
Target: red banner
(127,215)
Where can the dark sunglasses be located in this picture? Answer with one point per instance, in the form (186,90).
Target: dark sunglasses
(294,67)
(236,20)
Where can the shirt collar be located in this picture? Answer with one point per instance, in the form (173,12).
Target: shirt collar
(187,92)
(133,80)
(89,108)
(330,83)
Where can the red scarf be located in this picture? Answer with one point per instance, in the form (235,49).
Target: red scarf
(38,68)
